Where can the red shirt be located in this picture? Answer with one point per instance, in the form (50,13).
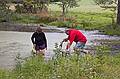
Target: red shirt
(76,36)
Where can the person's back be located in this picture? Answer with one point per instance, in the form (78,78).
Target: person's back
(39,38)
(76,36)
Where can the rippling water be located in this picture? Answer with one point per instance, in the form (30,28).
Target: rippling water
(14,43)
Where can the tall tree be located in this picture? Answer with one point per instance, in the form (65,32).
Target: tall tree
(41,4)
(32,6)
(65,4)
(113,5)
(118,13)
(5,12)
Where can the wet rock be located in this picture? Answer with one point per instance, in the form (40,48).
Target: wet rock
(27,27)
(113,45)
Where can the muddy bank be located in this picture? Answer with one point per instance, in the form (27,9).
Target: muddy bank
(110,46)
(27,27)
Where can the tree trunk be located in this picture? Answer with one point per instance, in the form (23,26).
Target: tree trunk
(118,13)
(63,12)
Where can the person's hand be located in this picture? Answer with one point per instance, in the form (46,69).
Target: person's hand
(67,50)
(65,40)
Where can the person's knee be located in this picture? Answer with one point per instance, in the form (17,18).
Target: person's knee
(41,52)
(76,49)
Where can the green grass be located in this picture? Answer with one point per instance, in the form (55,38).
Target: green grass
(100,66)
(84,6)
(111,30)
(86,20)
(25,18)
(88,16)
(5,74)
(88,67)
(31,19)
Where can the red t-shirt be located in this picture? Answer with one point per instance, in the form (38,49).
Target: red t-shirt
(76,36)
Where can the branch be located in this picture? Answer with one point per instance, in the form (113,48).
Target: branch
(105,6)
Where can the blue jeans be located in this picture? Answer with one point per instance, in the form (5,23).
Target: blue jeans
(80,45)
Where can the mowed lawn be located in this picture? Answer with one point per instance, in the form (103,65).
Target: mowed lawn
(84,6)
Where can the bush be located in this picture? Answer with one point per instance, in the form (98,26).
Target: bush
(111,30)
(58,24)
(30,18)
(68,67)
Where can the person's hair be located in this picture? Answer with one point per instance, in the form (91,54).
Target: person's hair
(38,29)
(66,31)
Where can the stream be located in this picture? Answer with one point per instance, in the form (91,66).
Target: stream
(13,43)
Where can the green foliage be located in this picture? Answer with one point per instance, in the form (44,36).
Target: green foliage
(99,66)
(66,4)
(108,4)
(23,18)
(111,29)
(4,74)
(105,2)
(30,18)
(88,20)
(34,68)
(84,20)
(5,12)
(32,6)
(57,23)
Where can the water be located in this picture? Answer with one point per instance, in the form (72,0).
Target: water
(14,43)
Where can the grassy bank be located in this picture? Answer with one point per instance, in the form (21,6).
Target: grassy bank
(88,16)
(100,66)
(79,20)
(88,67)
(111,30)
(84,20)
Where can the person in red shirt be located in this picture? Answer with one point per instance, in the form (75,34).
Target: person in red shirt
(75,36)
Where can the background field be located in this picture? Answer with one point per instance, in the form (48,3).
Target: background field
(84,6)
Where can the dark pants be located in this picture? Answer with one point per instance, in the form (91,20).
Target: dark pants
(40,47)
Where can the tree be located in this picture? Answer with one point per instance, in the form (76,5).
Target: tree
(31,6)
(118,13)
(5,12)
(28,6)
(65,4)
(113,5)
(41,4)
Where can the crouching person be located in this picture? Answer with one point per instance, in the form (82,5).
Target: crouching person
(39,41)
(77,37)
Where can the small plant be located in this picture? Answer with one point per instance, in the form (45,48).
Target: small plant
(99,66)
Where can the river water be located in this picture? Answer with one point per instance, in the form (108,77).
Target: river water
(14,43)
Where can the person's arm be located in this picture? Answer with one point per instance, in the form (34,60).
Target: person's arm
(65,40)
(45,40)
(71,38)
(32,39)
(68,45)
